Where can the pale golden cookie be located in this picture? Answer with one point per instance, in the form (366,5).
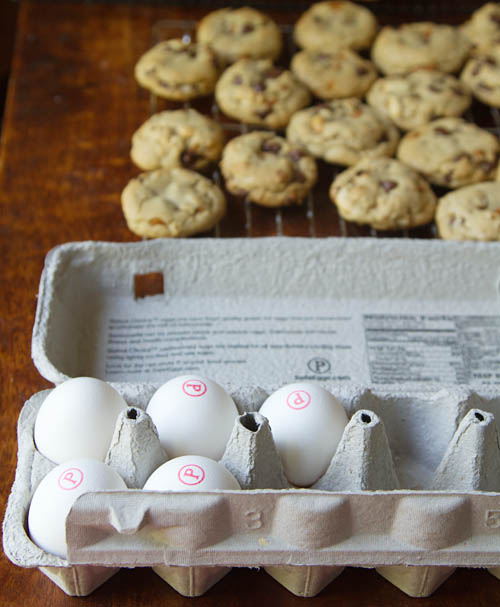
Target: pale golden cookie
(178,70)
(236,33)
(403,49)
(483,28)
(329,26)
(415,99)
(343,131)
(470,213)
(268,169)
(172,203)
(334,75)
(258,92)
(481,74)
(451,152)
(383,193)
(177,138)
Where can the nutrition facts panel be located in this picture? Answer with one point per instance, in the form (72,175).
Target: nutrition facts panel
(432,348)
(415,343)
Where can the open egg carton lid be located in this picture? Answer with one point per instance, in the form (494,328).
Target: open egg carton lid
(405,334)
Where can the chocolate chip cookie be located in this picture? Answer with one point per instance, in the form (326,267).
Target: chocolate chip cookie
(343,131)
(258,92)
(415,99)
(470,213)
(451,152)
(178,70)
(482,75)
(172,203)
(177,138)
(240,32)
(403,49)
(483,28)
(267,169)
(334,75)
(329,26)
(383,193)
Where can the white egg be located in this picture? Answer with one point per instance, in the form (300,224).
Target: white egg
(193,415)
(191,473)
(307,423)
(57,492)
(77,419)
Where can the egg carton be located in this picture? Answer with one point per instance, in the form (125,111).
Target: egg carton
(413,489)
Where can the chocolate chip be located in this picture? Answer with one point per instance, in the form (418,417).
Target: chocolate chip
(486,166)
(298,176)
(362,71)
(435,88)
(259,87)
(273,147)
(237,79)
(490,60)
(485,87)
(477,68)
(274,72)
(247,28)
(495,18)
(296,155)
(388,185)
(189,159)
(383,138)
(361,172)
(442,131)
(263,113)
(458,91)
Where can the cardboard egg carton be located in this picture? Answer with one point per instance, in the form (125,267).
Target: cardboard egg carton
(414,486)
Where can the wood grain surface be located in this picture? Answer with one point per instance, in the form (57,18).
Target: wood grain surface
(71,109)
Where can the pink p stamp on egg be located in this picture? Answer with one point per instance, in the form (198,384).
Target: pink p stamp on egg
(194,387)
(191,474)
(70,479)
(298,399)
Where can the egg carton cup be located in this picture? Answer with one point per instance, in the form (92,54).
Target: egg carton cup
(413,489)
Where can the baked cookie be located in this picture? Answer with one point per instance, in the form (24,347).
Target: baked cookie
(483,28)
(415,99)
(343,131)
(177,138)
(470,213)
(178,70)
(172,203)
(329,26)
(482,75)
(334,75)
(451,152)
(268,169)
(258,92)
(383,193)
(403,49)
(236,33)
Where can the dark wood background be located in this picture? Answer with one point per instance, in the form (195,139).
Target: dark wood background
(71,109)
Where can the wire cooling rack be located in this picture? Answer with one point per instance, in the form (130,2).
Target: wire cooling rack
(317,216)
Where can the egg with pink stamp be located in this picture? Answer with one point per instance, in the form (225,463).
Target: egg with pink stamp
(307,423)
(191,473)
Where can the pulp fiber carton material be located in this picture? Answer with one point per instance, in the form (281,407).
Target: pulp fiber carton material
(405,334)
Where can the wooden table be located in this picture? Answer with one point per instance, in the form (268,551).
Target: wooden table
(71,109)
